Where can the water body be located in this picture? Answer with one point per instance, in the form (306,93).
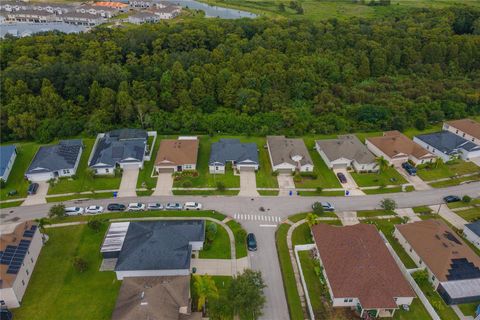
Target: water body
(214,11)
(27,29)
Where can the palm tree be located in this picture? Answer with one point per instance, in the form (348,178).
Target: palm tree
(41,223)
(382,164)
(205,288)
(311,219)
(439,162)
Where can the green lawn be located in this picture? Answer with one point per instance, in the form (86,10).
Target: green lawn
(446,170)
(83,182)
(10,204)
(220,246)
(469,214)
(302,235)
(469,309)
(268,192)
(145,179)
(16,179)
(96,195)
(454,182)
(57,291)
(417,311)
(240,244)
(374,213)
(422,210)
(461,204)
(205,192)
(388,190)
(388,176)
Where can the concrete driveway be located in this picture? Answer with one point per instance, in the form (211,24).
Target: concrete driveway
(128,185)
(248,184)
(164,184)
(350,185)
(39,197)
(285,184)
(476,161)
(348,218)
(416,181)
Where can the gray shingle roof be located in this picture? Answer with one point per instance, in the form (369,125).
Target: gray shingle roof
(6,153)
(232,150)
(447,142)
(124,145)
(56,157)
(283,149)
(159,245)
(348,147)
(475,227)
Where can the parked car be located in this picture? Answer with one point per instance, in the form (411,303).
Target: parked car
(173,206)
(32,188)
(327,206)
(73,211)
(136,206)
(116,207)
(251,242)
(451,198)
(411,170)
(192,206)
(94,209)
(341,177)
(154,206)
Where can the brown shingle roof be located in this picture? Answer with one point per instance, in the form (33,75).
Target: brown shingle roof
(467,125)
(394,142)
(437,245)
(358,264)
(177,152)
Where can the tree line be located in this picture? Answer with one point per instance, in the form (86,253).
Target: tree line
(248,76)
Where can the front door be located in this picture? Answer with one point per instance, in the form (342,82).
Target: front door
(179,168)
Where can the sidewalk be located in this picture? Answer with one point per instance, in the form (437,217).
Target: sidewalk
(447,214)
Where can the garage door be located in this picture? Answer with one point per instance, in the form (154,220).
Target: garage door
(246,169)
(284,171)
(339,166)
(165,170)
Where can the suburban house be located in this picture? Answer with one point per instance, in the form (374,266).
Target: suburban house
(471,231)
(82,18)
(143,17)
(396,148)
(55,161)
(8,154)
(103,11)
(453,268)
(19,251)
(288,155)
(177,155)
(448,146)
(243,156)
(359,270)
(153,248)
(155,298)
(465,128)
(33,16)
(166,11)
(346,152)
(123,147)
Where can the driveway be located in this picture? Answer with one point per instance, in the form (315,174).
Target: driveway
(350,185)
(39,197)
(447,214)
(164,184)
(417,183)
(476,161)
(348,218)
(248,184)
(285,184)
(128,185)
(407,213)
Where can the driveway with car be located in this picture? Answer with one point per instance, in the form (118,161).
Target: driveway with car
(248,183)
(164,184)
(128,185)
(285,184)
(40,195)
(350,185)
(416,181)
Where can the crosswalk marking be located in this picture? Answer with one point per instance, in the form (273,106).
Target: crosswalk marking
(257,217)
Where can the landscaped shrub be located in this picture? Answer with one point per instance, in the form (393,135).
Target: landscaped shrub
(309,175)
(221,186)
(297,178)
(211,232)
(187,184)
(466,199)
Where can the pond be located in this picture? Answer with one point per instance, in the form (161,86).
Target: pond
(214,11)
(27,29)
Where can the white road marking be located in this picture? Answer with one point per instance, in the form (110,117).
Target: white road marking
(268,225)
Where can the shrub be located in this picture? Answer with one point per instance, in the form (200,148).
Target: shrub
(319,189)
(275,173)
(310,175)
(94,224)
(2,183)
(297,178)
(211,231)
(57,211)
(221,186)
(466,199)
(187,184)
(240,236)
(317,208)
(80,264)
(118,172)
(388,204)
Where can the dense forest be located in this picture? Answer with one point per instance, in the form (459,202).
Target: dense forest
(245,76)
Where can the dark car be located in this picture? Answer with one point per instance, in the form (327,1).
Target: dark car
(341,177)
(449,199)
(251,242)
(411,170)
(116,207)
(32,188)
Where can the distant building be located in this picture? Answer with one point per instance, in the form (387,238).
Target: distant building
(448,145)
(471,231)
(177,155)
(166,11)
(465,128)
(10,6)
(82,19)
(19,251)
(8,154)
(288,155)
(103,11)
(242,156)
(32,16)
(143,17)
(143,4)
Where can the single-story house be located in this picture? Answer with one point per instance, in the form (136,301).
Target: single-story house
(124,147)
(346,152)
(397,148)
(160,298)
(243,156)
(465,128)
(448,145)
(153,248)
(8,154)
(471,231)
(177,155)
(54,161)
(288,155)
(453,268)
(19,251)
(359,270)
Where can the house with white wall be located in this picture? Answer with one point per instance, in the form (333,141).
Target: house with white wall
(448,146)
(242,156)
(288,155)
(8,154)
(465,128)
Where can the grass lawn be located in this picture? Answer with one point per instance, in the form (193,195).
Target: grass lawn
(220,246)
(240,244)
(387,226)
(96,195)
(83,182)
(204,192)
(461,204)
(447,170)
(10,204)
(302,235)
(57,291)
(387,190)
(422,210)
(469,309)
(374,213)
(325,177)
(454,182)
(469,214)
(16,179)
(388,176)
(145,179)
(417,311)
(221,282)
(268,192)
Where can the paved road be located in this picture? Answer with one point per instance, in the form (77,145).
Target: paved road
(265,259)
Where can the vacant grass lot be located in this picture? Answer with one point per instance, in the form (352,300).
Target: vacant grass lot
(145,179)
(447,170)
(388,176)
(220,246)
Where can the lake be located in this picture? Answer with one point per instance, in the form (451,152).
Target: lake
(214,11)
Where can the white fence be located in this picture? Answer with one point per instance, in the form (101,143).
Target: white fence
(297,248)
(150,151)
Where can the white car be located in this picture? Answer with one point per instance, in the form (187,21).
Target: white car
(154,206)
(73,211)
(192,206)
(136,206)
(94,209)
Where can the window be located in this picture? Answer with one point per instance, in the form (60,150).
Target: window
(66,171)
(350,300)
(107,170)
(345,300)
(433,278)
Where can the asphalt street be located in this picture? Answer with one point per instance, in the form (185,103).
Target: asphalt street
(265,259)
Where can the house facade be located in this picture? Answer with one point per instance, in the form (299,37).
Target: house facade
(19,251)
(242,156)
(55,161)
(8,154)
(177,155)
(143,17)
(471,231)
(448,146)
(288,155)
(465,128)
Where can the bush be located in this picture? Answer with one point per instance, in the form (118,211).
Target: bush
(297,178)
(240,236)
(275,173)
(2,183)
(319,189)
(221,186)
(80,264)
(388,204)
(187,184)
(95,224)
(317,208)
(57,211)
(118,172)
(310,175)
(466,199)
(211,232)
